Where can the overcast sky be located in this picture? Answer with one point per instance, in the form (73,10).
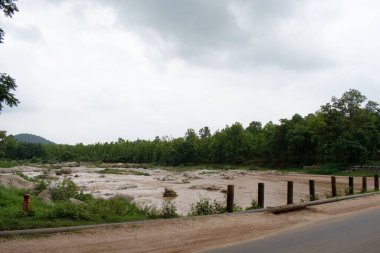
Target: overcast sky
(95,70)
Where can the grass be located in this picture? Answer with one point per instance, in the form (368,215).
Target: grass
(64,213)
(7,164)
(205,206)
(254,205)
(123,172)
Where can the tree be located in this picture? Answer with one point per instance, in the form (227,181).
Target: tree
(7,83)
(254,127)
(204,132)
(351,132)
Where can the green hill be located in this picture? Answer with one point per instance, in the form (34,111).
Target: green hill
(31,138)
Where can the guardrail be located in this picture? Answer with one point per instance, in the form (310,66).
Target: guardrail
(312,195)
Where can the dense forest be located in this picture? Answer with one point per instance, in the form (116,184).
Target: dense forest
(344,131)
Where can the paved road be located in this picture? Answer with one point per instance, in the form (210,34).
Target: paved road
(354,233)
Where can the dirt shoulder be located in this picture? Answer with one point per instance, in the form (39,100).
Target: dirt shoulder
(187,234)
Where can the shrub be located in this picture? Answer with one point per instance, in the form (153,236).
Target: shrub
(7,164)
(168,210)
(205,206)
(113,206)
(21,174)
(237,208)
(70,211)
(64,190)
(83,196)
(254,205)
(35,160)
(111,209)
(41,185)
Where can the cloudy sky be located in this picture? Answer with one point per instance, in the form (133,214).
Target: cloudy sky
(97,70)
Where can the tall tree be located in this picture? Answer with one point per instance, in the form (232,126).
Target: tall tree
(7,83)
(351,134)
(204,132)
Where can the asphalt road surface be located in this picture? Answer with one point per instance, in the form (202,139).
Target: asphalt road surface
(349,234)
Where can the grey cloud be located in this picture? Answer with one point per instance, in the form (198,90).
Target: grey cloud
(242,33)
(196,26)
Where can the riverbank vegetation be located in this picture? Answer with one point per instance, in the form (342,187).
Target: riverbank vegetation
(70,207)
(345,131)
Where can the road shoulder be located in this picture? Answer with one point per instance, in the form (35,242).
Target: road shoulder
(185,235)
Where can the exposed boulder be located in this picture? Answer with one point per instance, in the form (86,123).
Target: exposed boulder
(169,193)
(66,171)
(127,186)
(45,194)
(76,201)
(185,181)
(190,176)
(167,178)
(15,181)
(125,196)
(228,177)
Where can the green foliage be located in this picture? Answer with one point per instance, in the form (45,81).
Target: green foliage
(20,174)
(70,211)
(7,164)
(97,209)
(64,213)
(11,214)
(168,210)
(64,190)
(41,185)
(254,205)
(86,197)
(345,131)
(67,156)
(7,83)
(205,207)
(111,171)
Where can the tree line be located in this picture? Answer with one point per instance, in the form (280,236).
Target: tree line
(345,131)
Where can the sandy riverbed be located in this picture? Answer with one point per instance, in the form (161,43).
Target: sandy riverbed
(147,190)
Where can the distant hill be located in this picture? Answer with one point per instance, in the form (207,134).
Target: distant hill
(31,138)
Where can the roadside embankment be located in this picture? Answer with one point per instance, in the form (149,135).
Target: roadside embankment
(186,234)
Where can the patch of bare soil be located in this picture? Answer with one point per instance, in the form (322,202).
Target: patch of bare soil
(185,234)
